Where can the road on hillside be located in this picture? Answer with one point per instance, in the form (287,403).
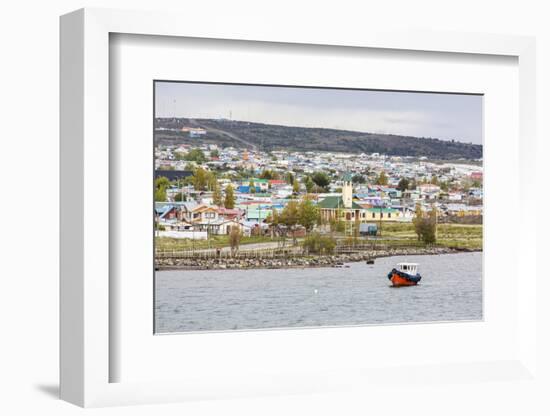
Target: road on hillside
(226,133)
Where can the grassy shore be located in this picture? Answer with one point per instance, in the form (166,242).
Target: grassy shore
(448,235)
(166,243)
(456,236)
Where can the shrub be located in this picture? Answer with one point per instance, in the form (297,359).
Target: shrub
(316,243)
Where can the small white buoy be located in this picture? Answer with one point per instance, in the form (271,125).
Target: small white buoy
(315,291)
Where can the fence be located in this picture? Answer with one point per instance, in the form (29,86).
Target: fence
(272,253)
(342,247)
(350,247)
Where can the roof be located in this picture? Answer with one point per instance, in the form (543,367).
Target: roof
(377,209)
(335,202)
(163,206)
(230,211)
(204,207)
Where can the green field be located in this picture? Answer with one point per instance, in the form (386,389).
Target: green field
(393,235)
(448,235)
(178,244)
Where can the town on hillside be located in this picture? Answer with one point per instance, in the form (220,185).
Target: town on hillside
(214,201)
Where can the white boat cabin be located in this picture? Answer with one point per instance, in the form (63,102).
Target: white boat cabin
(409,268)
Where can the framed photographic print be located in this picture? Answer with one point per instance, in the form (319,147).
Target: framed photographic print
(286,206)
(315,214)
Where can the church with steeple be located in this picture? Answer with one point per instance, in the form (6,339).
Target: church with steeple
(342,207)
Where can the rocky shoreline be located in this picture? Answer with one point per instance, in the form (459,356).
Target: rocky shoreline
(336,260)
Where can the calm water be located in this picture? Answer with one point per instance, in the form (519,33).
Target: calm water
(218,300)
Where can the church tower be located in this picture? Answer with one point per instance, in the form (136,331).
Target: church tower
(347,191)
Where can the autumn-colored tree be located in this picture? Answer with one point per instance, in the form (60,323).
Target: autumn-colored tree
(417,221)
(382,179)
(290,178)
(211,181)
(290,217)
(217,196)
(200,179)
(269,174)
(425,226)
(161,184)
(229,201)
(308,214)
(235,236)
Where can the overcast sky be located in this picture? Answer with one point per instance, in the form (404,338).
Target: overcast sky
(443,116)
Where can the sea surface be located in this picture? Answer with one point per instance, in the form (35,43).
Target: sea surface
(359,294)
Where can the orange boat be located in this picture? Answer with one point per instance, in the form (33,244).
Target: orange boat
(405,274)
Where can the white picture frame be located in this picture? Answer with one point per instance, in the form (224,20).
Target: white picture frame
(86,304)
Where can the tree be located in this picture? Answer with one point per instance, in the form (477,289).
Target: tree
(382,179)
(190,167)
(217,196)
(425,226)
(235,236)
(200,179)
(308,214)
(274,219)
(316,243)
(211,181)
(290,178)
(195,155)
(295,186)
(269,174)
(251,187)
(179,155)
(161,183)
(229,201)
(214,154)
(417,221)
(309,184)
(337,225)
(358,179)
(434,180)
(290,216)
(403,184)
(180,196)
(430,230)
(321,179)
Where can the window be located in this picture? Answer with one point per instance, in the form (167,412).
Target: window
(373,215)
(389,214)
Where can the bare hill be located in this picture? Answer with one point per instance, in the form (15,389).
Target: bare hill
(268,137)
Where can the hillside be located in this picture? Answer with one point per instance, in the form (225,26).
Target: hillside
(267,137)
